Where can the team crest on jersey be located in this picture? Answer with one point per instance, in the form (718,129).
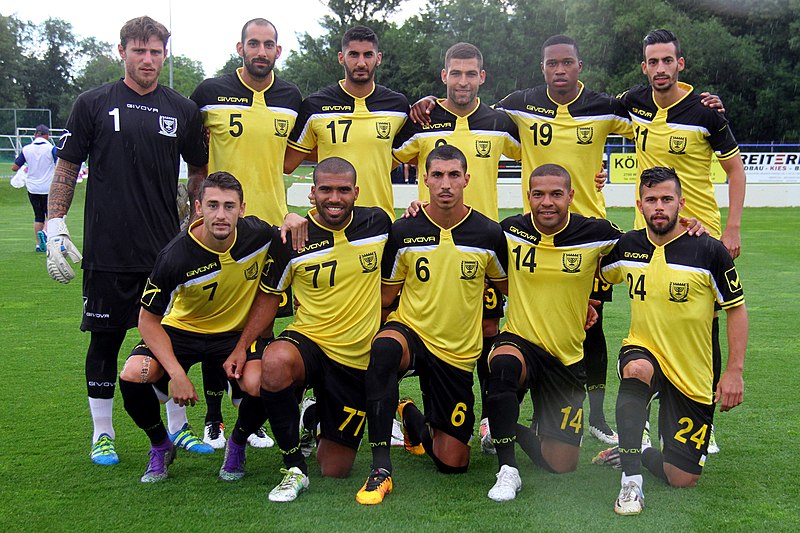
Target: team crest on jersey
(483,148)
(369,262)
(677,145)
(732,277)
(281,127)
(571,263)
(150,292)
(585,134)
(251,272)
(469,269)
(384,129)
(678,292)
(168,125)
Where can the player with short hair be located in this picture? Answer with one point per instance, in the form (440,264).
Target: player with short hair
(673,283)
(40,156)
(483,135)
(448,248)
(194,308)
(553,258)
(248,115)
(355,119)
(134,131)
(672,129)
(336,280)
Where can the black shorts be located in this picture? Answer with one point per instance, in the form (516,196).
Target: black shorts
(493,301)
(339,389)
(601,290)
(39,204)
(111,300)
(191,348)
(684,425)
(448,401)
(286,305)
(557,391)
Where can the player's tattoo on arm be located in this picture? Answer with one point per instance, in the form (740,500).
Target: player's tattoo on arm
(62,189)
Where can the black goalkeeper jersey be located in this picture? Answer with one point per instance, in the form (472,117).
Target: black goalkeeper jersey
(133,144)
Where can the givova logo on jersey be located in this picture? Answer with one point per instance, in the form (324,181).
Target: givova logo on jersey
(678,292)
(469,269)
(168,126)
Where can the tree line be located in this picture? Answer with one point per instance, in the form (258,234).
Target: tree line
(747,51)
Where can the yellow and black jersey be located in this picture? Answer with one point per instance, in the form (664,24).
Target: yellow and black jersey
(483,135)
(673,289)
(199,290)
(359,130)
(336,279)
(572,135)
(248,133)
(442,273)
(550,278)
(683,136)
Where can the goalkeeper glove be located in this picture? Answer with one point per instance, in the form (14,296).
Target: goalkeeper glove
(59,247)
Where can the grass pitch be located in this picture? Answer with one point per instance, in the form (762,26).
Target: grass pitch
(48,482)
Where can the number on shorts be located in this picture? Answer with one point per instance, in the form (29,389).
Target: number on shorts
(698,437)
(459,415)
(351,413)
(575,422)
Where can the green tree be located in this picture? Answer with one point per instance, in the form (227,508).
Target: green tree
(102,65)
(11,63)
(186,74)
(231,65)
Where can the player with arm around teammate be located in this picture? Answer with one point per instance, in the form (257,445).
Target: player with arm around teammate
(673,284)
(194,308)
(448,248)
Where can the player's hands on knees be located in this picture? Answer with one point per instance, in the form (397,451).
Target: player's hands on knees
(693,226)
(412,210)
(730,391)
(732,241)
(298,227)
(421,110)
(183,391)
(234,364)
(713,101)
(59,248)
(591,314)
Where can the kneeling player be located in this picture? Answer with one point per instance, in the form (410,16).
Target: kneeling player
(673,284)
(553,257)
(194,307)
(440,259)
(336,280)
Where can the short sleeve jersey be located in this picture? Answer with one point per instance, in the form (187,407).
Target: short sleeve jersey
(134,144)
(683,136)
(672,289)
(572,135)
(550,278)
(337,281)
(483,135)
(249,130)
(40,157)
(200,290)
(442,272)
(359,130)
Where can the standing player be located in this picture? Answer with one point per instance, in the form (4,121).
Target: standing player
(355,119)
(447,249)
(673,283)
(134,132)
(553,257)
(40,156)
(483,135)
(674,130)
(194,308)
(336,280)
(248,115)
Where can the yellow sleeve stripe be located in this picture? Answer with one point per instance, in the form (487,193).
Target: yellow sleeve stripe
(728,155)
(299,147)
(736,302)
